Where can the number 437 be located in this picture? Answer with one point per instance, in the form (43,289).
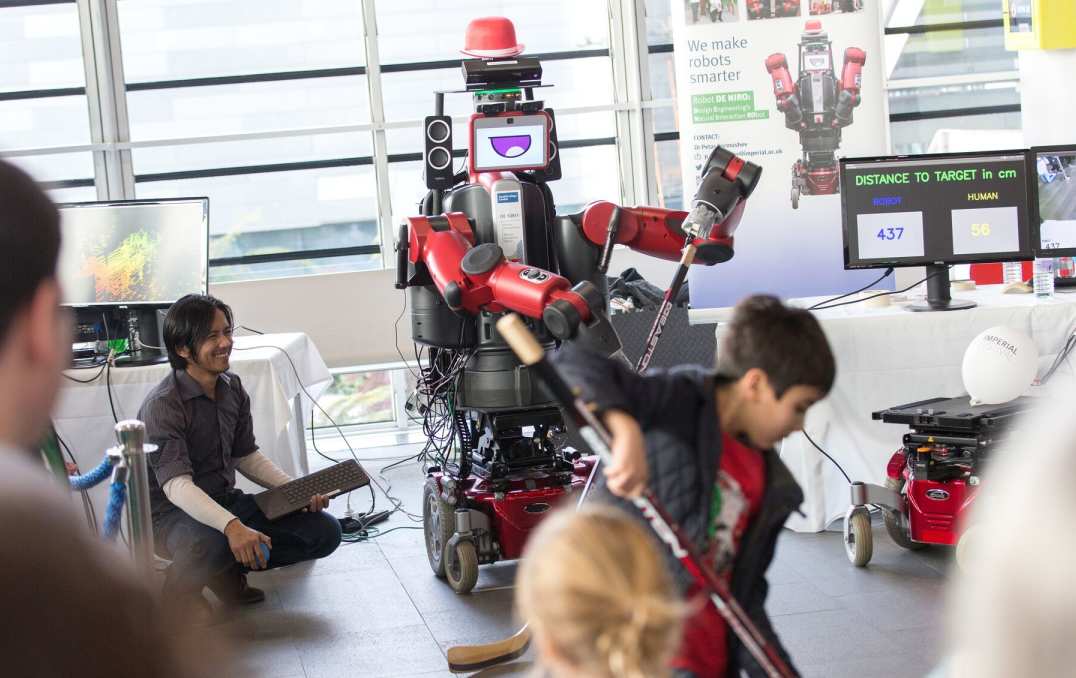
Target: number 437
(890,233)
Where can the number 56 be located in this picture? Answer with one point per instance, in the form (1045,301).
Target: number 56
(980,230)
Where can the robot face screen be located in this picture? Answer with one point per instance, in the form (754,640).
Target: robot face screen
(816,62)
(510,142)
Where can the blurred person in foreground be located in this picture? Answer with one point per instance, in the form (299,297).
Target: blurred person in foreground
(1013,606)
(70,606)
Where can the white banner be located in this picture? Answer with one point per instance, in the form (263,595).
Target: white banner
(791,88)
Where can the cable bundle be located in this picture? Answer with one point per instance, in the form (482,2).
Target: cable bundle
(435,399)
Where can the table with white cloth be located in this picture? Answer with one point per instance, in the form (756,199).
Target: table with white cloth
(83,417)
(892,356)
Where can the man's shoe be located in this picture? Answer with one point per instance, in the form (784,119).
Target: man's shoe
(233,589)
(248,595)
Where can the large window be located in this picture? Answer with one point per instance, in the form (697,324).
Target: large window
(43,96)
(216,92)
(301,120)
(949,77)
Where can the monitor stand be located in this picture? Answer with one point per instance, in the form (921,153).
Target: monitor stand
(143,357)
(938,295)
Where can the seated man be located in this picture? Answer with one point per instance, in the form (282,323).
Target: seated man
(199,416)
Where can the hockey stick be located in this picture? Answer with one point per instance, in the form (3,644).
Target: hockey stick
(530,353)
(466,658)
(666,306)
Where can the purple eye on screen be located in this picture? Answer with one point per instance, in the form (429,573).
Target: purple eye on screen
(511,146)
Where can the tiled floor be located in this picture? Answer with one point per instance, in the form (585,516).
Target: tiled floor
(375,609)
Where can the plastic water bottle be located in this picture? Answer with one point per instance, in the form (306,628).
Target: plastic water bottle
(1012,272)
(1044,277)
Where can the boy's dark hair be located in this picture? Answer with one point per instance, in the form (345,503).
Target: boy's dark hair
(786,343)
(188,323)
(29,241)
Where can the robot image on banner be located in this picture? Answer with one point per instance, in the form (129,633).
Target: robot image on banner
(772,9)
(817,106)
(489,241)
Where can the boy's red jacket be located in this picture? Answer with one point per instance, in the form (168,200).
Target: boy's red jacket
(677,411)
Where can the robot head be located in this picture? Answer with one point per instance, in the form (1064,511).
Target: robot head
(509,130)
(815,54)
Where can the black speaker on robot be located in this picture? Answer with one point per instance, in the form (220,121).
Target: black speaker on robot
(438,156)
(552,171)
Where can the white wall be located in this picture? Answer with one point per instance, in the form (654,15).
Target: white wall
(349,316)
(1047,99)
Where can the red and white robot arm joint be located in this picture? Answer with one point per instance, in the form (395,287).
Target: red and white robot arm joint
(473,279)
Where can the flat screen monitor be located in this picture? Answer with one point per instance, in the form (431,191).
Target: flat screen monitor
(936,210)
(1055,208)
(136,252)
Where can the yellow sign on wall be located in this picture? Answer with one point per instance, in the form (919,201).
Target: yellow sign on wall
(1039,24)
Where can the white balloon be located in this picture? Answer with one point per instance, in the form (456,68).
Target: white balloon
(999,365)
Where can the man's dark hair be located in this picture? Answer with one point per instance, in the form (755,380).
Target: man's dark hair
(188,323)
(29,241)
(786,343)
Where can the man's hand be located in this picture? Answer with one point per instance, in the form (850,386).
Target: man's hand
(318,502)
(244,544)
(628,473)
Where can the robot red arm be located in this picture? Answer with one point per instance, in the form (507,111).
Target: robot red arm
(784,88)
(851,81)
(659,232)
(716,211)
(474,279)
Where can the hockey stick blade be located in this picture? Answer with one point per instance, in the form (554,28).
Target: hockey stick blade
(466,658)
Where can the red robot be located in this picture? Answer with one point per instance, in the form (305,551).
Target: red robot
(490,240)
(817,106)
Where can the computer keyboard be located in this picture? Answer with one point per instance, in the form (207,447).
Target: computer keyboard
(294,496)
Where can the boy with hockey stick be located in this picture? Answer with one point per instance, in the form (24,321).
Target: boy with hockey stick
(703,441)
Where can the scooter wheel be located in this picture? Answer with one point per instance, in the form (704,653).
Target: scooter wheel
(858,538)
(966,547)
(461,566)
(795,198)
(438,524)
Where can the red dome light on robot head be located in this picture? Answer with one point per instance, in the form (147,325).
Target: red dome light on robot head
(491,37)
(813,26)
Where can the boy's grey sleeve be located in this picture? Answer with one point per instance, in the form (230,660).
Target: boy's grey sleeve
(611,385)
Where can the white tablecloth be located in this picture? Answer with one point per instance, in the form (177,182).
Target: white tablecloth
(84,420)
(891,356)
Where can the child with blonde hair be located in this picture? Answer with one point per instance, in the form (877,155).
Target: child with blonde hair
(598,597)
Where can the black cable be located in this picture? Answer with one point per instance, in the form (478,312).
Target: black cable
(91,379)
(395,501)
(1062,356)
(248,329)
(108,387)
(816,446)
(883,294)
(369,533)
(314,442)
(396,337)
(888,272)
(87,505)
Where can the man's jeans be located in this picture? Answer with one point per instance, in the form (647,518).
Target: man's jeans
(200,554)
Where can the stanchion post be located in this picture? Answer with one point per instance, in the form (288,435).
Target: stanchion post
(131,436)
